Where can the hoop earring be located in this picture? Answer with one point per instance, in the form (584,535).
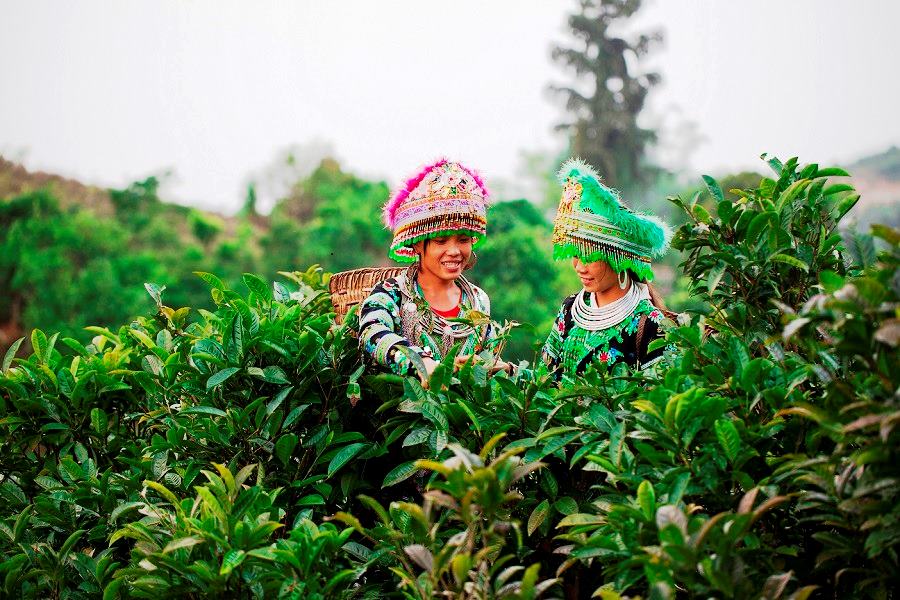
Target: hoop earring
(623,279)
(473,260)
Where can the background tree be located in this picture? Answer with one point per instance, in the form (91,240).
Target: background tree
(517,270)
(68,268)
(330,218)
(204,227)
(608,95)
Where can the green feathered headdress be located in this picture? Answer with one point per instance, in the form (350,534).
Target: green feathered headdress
(593,224)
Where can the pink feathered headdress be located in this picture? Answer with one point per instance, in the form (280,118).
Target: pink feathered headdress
(443,198)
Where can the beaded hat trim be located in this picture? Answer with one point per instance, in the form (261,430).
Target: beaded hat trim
(593,224)
(445,198)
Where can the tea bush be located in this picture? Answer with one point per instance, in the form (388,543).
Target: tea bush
(245,451)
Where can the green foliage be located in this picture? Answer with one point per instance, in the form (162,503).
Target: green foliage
(221,542)
(197,452)
(135,204)
(149,405)
(847,482)
(203,227)
(454,542)
(763,252)
(54,266)
(322,213)
(516,268)
(66,270)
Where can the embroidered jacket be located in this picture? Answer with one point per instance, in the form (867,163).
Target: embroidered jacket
(382,330)
(569,349)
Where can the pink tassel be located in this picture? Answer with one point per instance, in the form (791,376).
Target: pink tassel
(484,191)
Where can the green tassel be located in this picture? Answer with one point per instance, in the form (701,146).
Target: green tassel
(392,253)
(617,262)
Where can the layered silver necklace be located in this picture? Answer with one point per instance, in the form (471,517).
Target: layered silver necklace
(416,319)
(597,318)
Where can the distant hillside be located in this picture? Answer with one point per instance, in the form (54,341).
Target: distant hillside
(886,164)
(877,178)
(16,180)
(104,244)
(73,255)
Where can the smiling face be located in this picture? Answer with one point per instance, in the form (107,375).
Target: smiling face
(445,257)
(596,276)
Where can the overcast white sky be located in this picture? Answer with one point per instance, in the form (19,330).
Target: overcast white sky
(109,92)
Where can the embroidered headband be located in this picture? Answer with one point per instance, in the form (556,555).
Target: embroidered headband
(593,224)
(442,199)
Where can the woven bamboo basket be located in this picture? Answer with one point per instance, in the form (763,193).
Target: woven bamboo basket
(349,288)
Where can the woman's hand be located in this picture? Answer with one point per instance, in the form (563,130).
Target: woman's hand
(430,365)
(502,365)
(495,366)
(462,359)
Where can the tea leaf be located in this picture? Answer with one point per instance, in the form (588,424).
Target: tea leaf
(729,439)
(538,515)
(401,472)
(345,455)
(220,377)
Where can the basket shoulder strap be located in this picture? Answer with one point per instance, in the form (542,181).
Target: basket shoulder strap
(639,339)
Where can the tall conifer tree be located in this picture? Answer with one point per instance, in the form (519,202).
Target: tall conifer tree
(608,94)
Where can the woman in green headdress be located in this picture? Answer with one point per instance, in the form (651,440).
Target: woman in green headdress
(617,314)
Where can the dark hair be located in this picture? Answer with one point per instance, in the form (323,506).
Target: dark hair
(656,298)
(473,260)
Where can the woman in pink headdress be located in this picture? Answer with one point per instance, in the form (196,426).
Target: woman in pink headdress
(438,219)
